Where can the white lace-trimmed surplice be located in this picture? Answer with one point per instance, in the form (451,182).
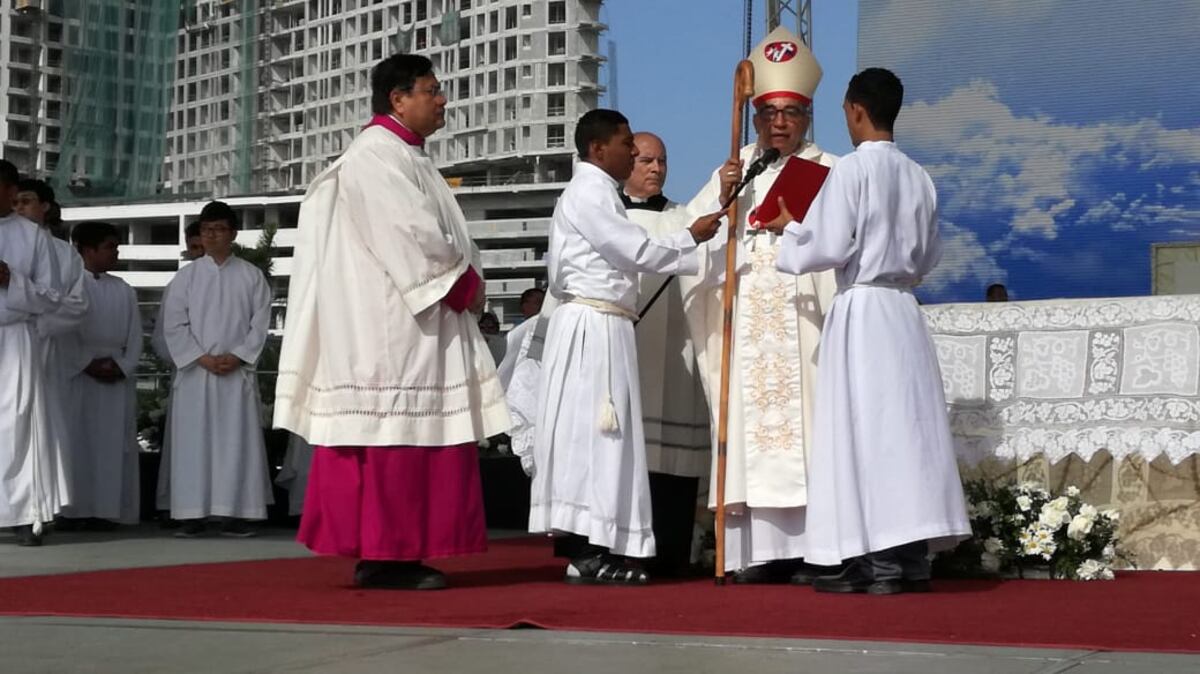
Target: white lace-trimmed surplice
(376,358)
(590,481)
(218,459)
(882,464)
(33,482)
(102,416)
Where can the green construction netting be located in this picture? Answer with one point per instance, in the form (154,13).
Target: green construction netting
(118,96)
(244,156)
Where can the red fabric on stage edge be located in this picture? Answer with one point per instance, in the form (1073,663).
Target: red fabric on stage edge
(394,503)
(518,583)
(463,291)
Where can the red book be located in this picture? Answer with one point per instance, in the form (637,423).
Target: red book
(798,184)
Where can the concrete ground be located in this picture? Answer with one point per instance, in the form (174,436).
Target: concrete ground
(70,645)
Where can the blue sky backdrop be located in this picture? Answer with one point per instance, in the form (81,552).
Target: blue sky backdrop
(1063,135)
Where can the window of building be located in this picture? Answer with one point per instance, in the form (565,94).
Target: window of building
(556,74)
(510,48)
(527,70)
(422,10)
(408,14)
(557,12)
(556,105)
(526,41)
(527,10)
(556,135)
(556,44)
(510,18)
(422,39)
(526,102)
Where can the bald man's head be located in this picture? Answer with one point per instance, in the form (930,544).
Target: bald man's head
(649,169)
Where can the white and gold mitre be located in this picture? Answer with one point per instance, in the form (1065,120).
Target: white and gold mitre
(783,66)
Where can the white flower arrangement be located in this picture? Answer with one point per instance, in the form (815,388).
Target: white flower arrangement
(1021,527)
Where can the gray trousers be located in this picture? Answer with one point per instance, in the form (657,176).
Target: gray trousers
(903,562)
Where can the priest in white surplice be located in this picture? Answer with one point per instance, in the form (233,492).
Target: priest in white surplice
(101,391)
(777,325)
(383,367)
(589,460)
(215,324)
(674,410)
(885,488)
(33,486)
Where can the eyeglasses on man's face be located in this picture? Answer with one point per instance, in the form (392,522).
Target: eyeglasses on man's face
(434,91)
(792,113)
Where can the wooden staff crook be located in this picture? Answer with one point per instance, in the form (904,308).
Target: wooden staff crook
(743,90)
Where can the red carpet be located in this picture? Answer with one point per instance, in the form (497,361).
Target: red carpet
(518,583)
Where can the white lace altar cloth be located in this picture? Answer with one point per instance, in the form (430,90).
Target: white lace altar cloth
(1063,378)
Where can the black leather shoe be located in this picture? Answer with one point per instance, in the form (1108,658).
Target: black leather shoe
(881,587)
(854,578)
(777,571)
(807,573)
(26,538)
(916,585)
(382,575)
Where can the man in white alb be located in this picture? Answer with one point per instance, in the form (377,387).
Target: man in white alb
(33,483)
(589,460)
(215,324)
(102,407)
(885,488)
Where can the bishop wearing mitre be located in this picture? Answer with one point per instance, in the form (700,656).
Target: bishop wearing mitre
(777,324)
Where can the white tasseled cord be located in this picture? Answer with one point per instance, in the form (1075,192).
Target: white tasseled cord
(608,411)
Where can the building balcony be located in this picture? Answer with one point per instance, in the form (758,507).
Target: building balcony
(499,230)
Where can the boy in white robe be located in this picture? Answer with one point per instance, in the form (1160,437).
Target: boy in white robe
(101,389)
(215,324)
(590,478)
(33,486)
(885,488)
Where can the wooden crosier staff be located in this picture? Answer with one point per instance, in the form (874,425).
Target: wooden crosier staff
(743,90)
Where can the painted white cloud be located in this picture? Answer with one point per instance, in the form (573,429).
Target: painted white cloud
(1017,181)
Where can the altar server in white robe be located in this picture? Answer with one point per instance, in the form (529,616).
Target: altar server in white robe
(885,488)
(102,409)
(590,477)
(215,324)
(33,482)
(194,250)
(674,410)
(776,327)
(383,367)
(56,329)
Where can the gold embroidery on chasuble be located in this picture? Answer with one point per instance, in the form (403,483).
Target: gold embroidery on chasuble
(769,354)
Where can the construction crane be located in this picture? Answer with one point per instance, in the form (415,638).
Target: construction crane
(800,11)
